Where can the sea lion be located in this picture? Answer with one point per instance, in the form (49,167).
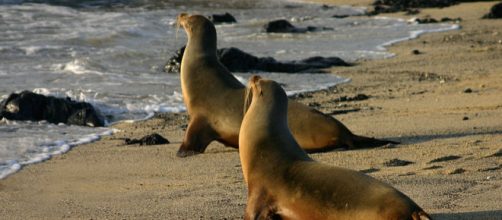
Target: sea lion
(214,100)
(285,183)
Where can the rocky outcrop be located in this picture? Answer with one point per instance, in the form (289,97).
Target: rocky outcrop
(389,6)
(495,12)
(237,60)
(35,107)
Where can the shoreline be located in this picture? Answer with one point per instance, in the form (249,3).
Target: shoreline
(419,100)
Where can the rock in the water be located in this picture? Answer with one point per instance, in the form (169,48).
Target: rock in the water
(222,18)
(283,26)
(35,107)
(237,60)
(495,12)
(173,64)
(152,139)
(389,6)
(429,20)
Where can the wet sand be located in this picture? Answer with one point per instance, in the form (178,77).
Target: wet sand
(443,104)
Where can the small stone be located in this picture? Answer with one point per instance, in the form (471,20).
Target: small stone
(468,90)
(152,139)
(397,163)
(457,171)
(416,52)
(465,118)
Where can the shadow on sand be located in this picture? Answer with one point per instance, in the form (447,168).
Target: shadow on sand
(424,138)
(485,215)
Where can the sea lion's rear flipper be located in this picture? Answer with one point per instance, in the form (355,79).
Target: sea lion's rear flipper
(198,135)
(368,142)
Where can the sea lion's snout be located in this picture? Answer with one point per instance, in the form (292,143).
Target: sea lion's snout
(253,81)
(181,19)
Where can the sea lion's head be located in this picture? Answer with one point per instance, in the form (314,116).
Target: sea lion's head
(266,93)
(200,30)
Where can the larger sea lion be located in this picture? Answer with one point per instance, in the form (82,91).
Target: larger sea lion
(285,183)
(214,100)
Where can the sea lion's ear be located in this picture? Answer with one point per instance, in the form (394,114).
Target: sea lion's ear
(248,98)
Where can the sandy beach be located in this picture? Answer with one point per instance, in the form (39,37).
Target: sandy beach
(443,103)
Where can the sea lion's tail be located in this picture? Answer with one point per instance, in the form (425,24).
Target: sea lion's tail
(368,142)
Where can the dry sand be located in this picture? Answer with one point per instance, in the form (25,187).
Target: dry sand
(418,100)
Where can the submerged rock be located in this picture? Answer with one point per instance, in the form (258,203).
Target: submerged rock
(283,26)
(35,107)
(222,18)
(237,60)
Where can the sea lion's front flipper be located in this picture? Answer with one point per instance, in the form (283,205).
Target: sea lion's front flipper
(261,206)
(198,135)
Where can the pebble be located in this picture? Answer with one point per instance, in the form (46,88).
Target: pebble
(468,90)
(397,163)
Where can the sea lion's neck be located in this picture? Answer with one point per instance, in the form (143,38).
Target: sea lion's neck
(265,133)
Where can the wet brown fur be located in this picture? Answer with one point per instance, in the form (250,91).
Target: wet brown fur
(284,182)
(214,100)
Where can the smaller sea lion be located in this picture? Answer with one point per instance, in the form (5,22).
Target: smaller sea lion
(285,183)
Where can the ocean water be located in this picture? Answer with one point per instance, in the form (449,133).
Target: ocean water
(111,54)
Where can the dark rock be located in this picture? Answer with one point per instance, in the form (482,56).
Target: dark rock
(397,163)
(152,139)
(35,107)
(495,12)
(222,18)
(390,6)
(465,118)
(416,52)
(279,26)
(314,105)
(358,97)
(426,20)
(445,158)
(344,111)
(173,64)
(429,20)
(468,90)
(283,26)
(446,19)
(237,60)
(340,16)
